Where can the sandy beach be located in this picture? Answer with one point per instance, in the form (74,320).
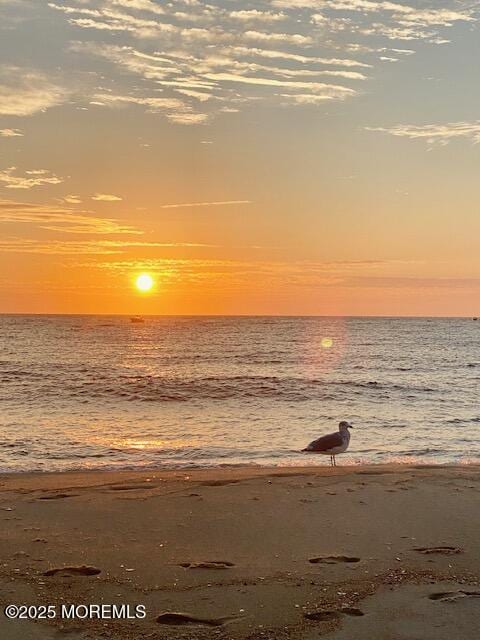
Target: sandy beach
(384,552)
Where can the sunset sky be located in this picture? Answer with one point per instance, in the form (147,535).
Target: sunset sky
(276,157)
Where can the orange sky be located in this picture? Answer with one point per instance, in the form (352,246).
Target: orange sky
(260,160)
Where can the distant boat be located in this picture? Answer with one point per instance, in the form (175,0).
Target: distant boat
(475,318)
(137,319)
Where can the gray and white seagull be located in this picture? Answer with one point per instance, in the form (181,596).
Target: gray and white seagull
(332,443)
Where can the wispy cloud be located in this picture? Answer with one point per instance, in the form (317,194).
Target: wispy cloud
(444,16)
(304,98)
(10,133)
(393,20)
(197,59)
(153,104)
(285,38)
(58,218)
(264,274)
(187,118)
(106,197)
(29,179)
(204,204)
(88,247)
(175,110)
(143,5)
(72,199)
(250,52)
(254,15)
(434,133)
(24,92)
(327,90)
(189,72)
(415,283)
(407,12)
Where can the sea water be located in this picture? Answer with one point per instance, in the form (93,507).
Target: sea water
(102,392)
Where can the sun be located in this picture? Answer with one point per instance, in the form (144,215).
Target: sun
(144,282)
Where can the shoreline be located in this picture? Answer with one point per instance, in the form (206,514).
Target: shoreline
(235,472)
(470,462)
(246,553)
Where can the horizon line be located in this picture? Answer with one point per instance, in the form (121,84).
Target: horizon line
(231,315)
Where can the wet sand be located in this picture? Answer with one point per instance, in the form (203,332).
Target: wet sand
(384,552)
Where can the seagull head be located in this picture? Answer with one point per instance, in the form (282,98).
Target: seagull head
(344,426)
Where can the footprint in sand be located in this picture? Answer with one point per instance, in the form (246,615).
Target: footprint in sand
(451,596)
(73,571)
(425,466)
(175,618)
(372,472)
(321,616)
(218,483)
(333,559)
(214,564)
(446,550)
(352,611)
(332,614)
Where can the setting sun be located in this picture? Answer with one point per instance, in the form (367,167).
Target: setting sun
(144,282)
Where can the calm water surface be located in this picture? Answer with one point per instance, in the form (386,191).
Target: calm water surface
(102,392)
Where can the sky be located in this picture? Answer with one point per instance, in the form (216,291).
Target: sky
(284,157)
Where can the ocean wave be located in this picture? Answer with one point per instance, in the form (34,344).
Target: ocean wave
(149,388)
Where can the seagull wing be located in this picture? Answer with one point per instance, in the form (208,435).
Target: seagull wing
(325,443)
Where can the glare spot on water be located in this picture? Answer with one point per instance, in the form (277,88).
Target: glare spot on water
(148,443)
(326,342)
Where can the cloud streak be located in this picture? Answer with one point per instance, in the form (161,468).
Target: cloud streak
(440,134)
(89,247)
(29,179)
(233,274)
(204,204)
(10,133)
(106,197)
(61,219)
(24,92)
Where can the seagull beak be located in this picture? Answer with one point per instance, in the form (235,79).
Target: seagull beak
(350,426)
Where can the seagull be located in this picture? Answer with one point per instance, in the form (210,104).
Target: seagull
(333,443)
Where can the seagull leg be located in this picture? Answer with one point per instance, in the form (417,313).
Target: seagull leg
(331,461)
(334,461)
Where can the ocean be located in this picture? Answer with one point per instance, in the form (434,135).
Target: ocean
(100,392)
